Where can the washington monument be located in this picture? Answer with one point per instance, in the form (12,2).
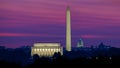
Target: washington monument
(68,30)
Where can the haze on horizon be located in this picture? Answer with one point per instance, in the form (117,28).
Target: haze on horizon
(24,22)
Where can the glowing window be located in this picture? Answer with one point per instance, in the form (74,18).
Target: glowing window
(43,49)
(37,49)
(51,49)
(57,50)
(34,49)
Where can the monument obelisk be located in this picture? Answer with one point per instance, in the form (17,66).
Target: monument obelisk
(68,30)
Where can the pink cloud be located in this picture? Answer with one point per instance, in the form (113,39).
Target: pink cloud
(45,35)
(19,34)
(28,34)
(93,36)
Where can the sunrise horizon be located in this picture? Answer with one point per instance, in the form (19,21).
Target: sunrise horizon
(26,22)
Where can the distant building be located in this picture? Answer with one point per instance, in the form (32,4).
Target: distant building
(46,49)
(80,43)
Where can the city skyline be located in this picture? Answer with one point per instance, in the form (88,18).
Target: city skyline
(29,21)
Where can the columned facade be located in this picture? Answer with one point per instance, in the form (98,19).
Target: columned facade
(46,49)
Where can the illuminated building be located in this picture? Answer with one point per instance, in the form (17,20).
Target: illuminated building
(68,30)
(46,49)
(80,43)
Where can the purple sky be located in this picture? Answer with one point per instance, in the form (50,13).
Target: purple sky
(24,22)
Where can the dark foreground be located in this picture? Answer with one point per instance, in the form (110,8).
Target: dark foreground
(63,62)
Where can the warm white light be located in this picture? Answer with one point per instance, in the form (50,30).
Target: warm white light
(51,49)
(45,50)
(37,49)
